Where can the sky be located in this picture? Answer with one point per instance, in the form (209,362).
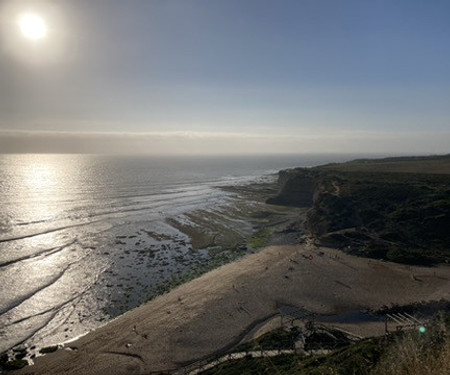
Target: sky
(226,76)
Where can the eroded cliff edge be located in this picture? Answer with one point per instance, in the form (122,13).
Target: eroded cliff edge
(376,208)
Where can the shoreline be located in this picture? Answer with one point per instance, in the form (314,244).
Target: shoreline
(205,315)
(140,262)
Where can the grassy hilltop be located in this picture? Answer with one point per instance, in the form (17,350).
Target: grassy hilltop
(396,209)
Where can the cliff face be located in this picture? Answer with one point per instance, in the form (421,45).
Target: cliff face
(401,217)
(331,213)
(296,188)
(330,209)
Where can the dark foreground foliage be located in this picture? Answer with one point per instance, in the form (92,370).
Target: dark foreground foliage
(409,352)
(400,217)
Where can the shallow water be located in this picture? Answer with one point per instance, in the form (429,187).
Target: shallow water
(84,238)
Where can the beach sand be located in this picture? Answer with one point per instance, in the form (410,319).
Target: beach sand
(212,313)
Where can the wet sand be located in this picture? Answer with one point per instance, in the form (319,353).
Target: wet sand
(212,313)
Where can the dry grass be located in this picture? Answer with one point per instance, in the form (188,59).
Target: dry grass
(431,165)
(416,354)
(411,354)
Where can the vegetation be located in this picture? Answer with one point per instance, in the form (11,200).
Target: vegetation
(15,364)
(420,354)
(260,238)
(398,216)
(274,340)
(49,349)
(283,364)
(410,352)
(355,359)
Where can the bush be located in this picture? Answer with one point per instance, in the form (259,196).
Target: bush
(419,354)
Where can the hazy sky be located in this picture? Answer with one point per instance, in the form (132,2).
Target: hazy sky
(227,76)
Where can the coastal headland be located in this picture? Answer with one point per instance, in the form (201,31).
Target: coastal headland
(366,208)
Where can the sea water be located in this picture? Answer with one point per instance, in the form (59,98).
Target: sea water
(84,238)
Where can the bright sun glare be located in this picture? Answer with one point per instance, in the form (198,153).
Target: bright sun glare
(32,26)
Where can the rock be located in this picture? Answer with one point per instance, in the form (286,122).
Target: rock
(296,188)
(49,349)
(15,364)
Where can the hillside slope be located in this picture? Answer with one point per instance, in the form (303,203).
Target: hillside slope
(377,208)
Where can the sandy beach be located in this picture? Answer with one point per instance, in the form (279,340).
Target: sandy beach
(212,313)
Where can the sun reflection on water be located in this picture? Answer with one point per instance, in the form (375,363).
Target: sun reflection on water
(42,177)
(46,261)
(41,187)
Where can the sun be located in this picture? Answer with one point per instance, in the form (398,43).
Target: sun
(32,26)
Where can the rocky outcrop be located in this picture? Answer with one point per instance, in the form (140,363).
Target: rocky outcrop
(402,217)
(332,213)
(296,188)
(330,209)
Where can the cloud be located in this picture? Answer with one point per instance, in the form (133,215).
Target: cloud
(190,142)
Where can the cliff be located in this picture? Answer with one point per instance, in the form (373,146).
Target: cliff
(296,188)
(377,209)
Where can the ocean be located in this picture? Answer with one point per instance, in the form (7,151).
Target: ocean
(84,238)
